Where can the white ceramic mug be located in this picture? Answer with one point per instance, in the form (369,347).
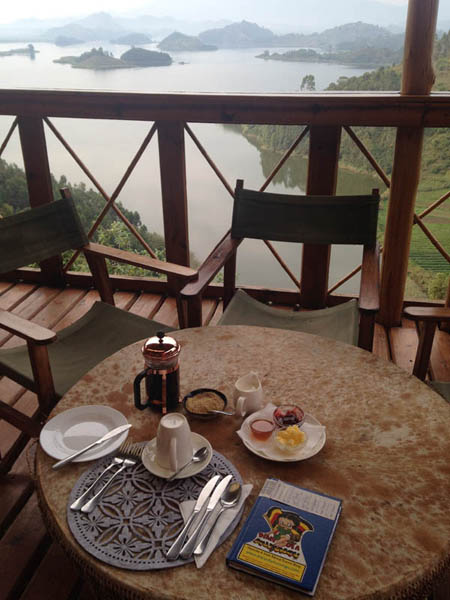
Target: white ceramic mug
(248,393)
(173,442)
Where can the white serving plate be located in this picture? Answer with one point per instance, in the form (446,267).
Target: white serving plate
(315,441)
(78,427)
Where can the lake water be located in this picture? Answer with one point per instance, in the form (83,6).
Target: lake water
(107,147)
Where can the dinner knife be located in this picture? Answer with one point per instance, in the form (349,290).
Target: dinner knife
(111,434)
(174,551)
(188,548)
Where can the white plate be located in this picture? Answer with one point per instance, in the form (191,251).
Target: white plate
(268,450)
(78,427)
(149,459)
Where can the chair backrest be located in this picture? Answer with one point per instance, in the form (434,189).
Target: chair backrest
(307,219)
(39,233)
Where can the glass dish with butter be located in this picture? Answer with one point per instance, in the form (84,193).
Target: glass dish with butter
(290,439)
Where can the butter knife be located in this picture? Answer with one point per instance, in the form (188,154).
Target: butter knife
(111,434)
(174,551)
(188,548)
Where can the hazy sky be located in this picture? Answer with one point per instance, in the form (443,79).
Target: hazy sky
(43,9)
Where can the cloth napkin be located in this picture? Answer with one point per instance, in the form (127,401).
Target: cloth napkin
(227,520)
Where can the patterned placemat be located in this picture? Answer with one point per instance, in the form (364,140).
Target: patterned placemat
(138,518)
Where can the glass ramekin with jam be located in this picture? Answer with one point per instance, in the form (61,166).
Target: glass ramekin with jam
(288,414)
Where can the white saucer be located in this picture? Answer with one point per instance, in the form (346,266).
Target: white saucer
(268,450)
(78,427)
(149,459)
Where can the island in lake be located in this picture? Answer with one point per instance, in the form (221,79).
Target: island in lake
(28,51)
(179,42)
(363,57)
(99,59)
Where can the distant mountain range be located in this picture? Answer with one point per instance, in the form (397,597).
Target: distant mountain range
(342,38)
(104,27)
(285,16)
(239,35)
(179,42)
(159,18)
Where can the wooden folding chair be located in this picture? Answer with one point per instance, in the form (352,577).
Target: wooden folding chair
(49,363)
(428,318)
(319,220)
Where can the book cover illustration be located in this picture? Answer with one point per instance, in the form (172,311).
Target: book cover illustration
(286,536)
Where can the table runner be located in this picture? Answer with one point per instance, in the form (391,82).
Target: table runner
(138,517)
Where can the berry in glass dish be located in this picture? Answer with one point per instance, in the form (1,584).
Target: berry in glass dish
(288,414)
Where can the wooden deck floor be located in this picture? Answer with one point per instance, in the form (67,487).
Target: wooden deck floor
(32,567)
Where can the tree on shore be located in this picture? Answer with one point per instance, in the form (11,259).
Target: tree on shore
(308,83)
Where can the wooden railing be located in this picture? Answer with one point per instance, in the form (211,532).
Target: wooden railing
(322,115)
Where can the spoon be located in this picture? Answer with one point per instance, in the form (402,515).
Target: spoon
(220,412)
(229,498)
(198,455)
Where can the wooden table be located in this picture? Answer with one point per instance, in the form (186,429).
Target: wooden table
(387,456)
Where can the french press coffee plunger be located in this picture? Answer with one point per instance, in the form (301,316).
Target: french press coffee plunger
(161,373)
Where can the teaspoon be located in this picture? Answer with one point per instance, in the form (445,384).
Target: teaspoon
(229,498)
(198,455)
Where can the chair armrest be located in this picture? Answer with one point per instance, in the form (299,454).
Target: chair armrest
(212,265)
(369,293)
(31,332)
(428,313)
(146,262)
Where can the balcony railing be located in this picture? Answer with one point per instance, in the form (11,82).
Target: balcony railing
(321,117)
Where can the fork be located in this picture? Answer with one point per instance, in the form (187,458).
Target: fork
(117,461)
(128,456)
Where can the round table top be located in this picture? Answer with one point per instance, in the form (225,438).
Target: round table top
(386,456)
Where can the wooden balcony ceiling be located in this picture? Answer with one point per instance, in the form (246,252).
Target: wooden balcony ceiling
(32,567)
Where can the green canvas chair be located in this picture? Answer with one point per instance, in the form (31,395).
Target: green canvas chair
(49,364)
(428,319)
(289,218)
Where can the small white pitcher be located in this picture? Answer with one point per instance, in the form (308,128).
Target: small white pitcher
(248,393)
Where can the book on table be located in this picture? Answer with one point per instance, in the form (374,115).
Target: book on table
(286,536)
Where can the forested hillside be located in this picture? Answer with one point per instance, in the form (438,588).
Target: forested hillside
(428,269)
(365,57)
(112,231)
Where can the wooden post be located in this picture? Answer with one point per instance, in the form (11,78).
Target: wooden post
(43,378)
(324,143)
(446,326)
(37,170)
(174,194)
(418,78)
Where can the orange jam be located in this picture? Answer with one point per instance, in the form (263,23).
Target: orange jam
(262,429)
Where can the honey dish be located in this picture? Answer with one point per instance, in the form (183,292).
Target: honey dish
(199,403)
(262,429)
